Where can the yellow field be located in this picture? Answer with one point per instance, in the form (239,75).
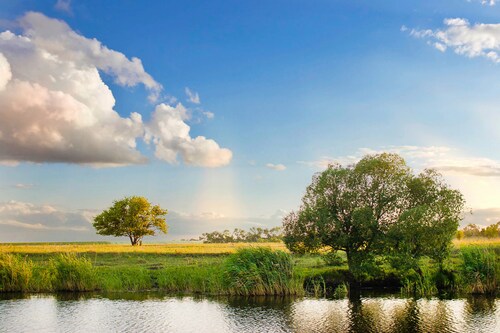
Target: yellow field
(186,248)
(477,241)
(179,248)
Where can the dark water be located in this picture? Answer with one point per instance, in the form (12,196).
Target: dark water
(157,313)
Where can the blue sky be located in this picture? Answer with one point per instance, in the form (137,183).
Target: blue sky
(278,89)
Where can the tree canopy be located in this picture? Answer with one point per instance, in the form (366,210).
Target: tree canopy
(375,206)
(134,217)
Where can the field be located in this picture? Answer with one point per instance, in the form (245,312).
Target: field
(89,248)
(175,268)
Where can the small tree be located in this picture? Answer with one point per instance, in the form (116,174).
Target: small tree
(133,217)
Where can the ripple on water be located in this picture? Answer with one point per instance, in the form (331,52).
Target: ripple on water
(51,313)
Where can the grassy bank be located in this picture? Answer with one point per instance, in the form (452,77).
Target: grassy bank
(202,268)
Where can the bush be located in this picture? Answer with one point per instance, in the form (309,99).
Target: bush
(15,273)
(74,273)
(260,271)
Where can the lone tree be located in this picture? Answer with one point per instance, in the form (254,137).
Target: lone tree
(134,217)
(376,206)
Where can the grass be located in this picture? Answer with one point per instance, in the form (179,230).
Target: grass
(260,271)
(195,268)
(186,248)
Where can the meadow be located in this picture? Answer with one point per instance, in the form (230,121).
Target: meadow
(196,268)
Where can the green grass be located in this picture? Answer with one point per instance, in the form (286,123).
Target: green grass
(202,269)
(260,271)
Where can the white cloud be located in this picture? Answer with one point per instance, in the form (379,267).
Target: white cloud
(18,208)
(193,96)
(478,40)
(69,116)
(63,6)
(485,2)
(5,72)
(22,186)
(27,222)
(169,133)
(277,167)
(444,159)
(208,114)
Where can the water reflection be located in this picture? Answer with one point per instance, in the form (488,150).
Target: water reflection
(152,312)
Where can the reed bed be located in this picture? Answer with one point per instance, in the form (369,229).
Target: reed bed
(260,271)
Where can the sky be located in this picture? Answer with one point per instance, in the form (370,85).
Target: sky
(222,111)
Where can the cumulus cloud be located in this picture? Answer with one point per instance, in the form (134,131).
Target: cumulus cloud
(5,73)
(193,96)
(69,116)
(477,40)
(277,167)
(170,135)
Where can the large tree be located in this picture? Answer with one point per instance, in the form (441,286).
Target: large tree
(134,217)
(362,208)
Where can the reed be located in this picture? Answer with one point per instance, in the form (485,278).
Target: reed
(480,269)
(15,273)
(260,271)
(74,273)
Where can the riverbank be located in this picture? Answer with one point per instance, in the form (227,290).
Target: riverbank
(192,269)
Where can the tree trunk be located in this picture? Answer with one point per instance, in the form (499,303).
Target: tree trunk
(134,240)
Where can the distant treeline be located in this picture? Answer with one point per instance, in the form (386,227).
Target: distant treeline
(473,230)
(242,236)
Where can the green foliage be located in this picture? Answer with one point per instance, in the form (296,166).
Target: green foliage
(259,271)
(332,258)
(480,269)
(15,273)
(133,217)
(341,290)
(374,207)
(74,273)
(242,236)
(473,230)
(316,285)
(491,231)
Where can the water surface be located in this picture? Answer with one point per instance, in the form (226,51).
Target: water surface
(137,312)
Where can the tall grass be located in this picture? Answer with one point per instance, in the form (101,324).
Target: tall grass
(15,273)
(260,271)
(74,273)
(480,269)
(421,283)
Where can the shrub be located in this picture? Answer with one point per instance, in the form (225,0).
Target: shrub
(259,271)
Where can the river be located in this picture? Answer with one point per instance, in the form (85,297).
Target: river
(143,312)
